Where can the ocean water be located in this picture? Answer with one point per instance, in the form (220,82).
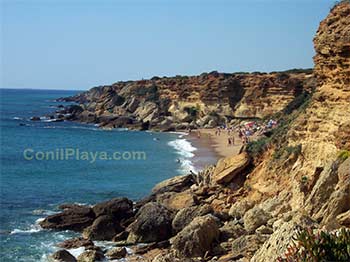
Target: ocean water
(32,189)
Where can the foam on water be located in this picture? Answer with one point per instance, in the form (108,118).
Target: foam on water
(185,151)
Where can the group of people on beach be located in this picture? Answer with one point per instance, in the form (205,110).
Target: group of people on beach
(245,131)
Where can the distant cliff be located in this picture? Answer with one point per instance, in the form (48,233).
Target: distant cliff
(207,100)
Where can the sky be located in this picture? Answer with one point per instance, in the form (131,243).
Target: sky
(79,44)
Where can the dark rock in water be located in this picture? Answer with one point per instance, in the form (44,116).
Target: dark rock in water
(197,237)
(120,236)
(116,253)
(75,218)
(104,228)
(119,208)
(35,118)
(91,256)
(152,224)
(63,256)
(75,243)
(175,184)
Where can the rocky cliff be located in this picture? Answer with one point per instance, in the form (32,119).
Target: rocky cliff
(247,207)
(180,102)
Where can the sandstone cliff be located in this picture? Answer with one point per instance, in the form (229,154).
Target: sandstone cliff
(249,206)
(180,102)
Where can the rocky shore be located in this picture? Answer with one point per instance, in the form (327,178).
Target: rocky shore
(249,206)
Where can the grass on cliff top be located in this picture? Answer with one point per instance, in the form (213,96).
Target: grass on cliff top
(277,137)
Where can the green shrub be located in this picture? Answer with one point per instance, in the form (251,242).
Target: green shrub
(192,111)
(320,247)
(257,147)
(343,155)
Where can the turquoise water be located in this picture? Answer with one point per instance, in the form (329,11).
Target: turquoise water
(32,189)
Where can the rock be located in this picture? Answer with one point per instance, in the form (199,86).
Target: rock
(246,246)
(175,184)
(116,253)
(231,229)
(103,228)
(91,256)
(344,218)
(197,237)
(152,224)
(76,218)
(63,256)
(264,230)
(186,215)
(176,201)
(255,218)
(119,208)
(281,238)
(228,168)
(239,208)
(120,236)
(35,118)
(75,243)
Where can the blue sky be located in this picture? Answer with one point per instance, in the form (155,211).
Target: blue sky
(80,44)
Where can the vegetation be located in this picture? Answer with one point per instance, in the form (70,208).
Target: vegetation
(343,155)
(192,111)
(324,246)
(277,135)
(295,71)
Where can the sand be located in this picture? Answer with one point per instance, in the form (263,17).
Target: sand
(217,143)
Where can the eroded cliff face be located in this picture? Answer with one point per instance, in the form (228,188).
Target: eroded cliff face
(315,181)
(197,101)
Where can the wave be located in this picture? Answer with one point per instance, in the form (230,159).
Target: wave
(32,228)
(185,151)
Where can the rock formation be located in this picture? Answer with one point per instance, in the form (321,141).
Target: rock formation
(248,207)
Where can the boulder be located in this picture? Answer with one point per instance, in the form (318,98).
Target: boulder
(119,208)
(246,246)
(228,168)
(176,201)
(186,215)
(255,218)
(231,229)
(175,184)
(76,218)
(91,256)
(239,208)
(116,253)
(152,224)
(197,237)
(63,256)
(75,243)
(105,227)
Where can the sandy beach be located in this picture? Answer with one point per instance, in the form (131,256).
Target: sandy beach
(217,145)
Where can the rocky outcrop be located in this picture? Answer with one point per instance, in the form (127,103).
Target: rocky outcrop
(228,168)
(197,237)
(104,227)
(152,224)
(62,256)
(75,218)
(180,102)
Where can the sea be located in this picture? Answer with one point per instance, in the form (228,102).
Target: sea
(35,179)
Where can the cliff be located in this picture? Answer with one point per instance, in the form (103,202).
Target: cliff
(248,207)
(207,100)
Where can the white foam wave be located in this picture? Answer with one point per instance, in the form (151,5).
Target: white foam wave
(185,151)
(32,229)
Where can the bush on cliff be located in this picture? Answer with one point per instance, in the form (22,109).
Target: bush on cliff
(322,246)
